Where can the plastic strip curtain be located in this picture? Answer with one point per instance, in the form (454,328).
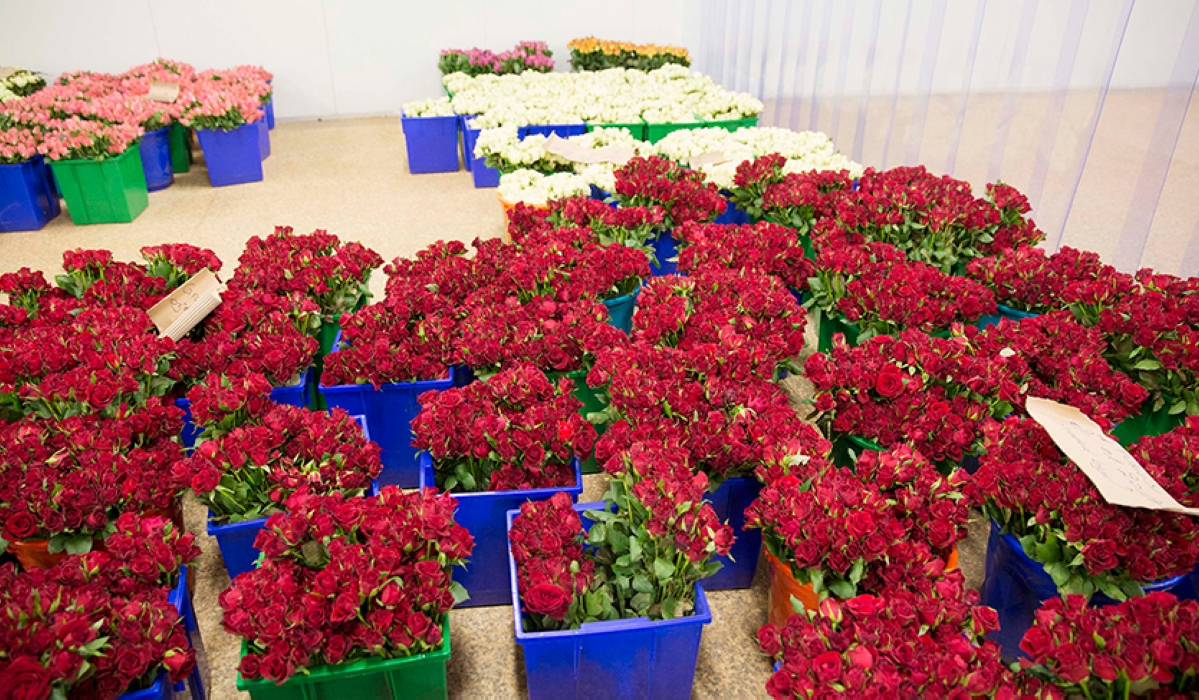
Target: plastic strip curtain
(994,91)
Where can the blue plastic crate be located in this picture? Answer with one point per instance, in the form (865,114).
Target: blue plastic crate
(667,252)
(1004,312)
(620,311)
(730,500)
(468,147)
(432,144)
(616,659)
(798,294)
(1016,585)
(269,108)
(264,137)
(160,690)
(482,175)
(733,214)
(28,196)
(155,148)
(483,514)
(298,395)
(389,410)
(564,131)
(181,599)
(236,540)
(233,156)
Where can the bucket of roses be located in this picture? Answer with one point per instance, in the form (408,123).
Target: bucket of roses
(611,604)
(1170,457)
(28,199)
(1053,534)
(254,453)
(101,624)
(431,136)
(225,114)
(683,194)
(389,642)
(832,533)
(515,438)
(763,247)
(97,167)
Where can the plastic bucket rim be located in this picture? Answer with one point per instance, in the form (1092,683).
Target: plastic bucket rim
(425,467)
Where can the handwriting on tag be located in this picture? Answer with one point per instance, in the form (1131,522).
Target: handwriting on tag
(1116,473)
(183,309)
(163,92)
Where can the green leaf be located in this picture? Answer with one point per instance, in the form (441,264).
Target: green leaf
(618,541)
(77,544)
(855,571)
(642,584)
(634,549)
(663,569)
(1131,589)
(640,602)
(1048,552)
(1147,365)
(797,606)
(459,592)
(668,608)
(1059,572)
(842,588)
(597,535)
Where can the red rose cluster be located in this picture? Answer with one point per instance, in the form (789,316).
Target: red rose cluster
(347,578)
(256,453)
(631,226)
(764,247)
(517,430)
(552,569)
(1028,279)
(900,646)
(763,190)
(318,266)
(1146,646)
(99,624)
(1170,458)
(683,194)
(1032,490)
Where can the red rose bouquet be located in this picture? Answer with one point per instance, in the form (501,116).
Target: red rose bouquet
(142,552)
(318,266)
(764,247)
(1147,647)
(565,272)
(347,578)
(67,480)
(902,646)
(177,262)
(445,270)
(732,309)
(683,194)
(1085,543)
(631,226)
(517,430)
(67,635)
(762,190)
(255,453)
(651,545)
(1027,279)
(875,288)
(1170,458)
(24,288)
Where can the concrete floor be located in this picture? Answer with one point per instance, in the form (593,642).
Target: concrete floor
(349,177)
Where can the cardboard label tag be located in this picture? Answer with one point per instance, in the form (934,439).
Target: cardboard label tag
(1116,473)
(6,71)
(709,158)
(163,92)
(576,153)
(183,309)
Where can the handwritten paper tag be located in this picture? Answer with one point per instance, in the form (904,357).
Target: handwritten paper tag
(163,92)
(576,153)
(183,309)
(709,158)
(6,71)
(1118,476)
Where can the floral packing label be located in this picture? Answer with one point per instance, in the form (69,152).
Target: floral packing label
(6,71)
(183,309)
(163,92)
(576,153)
(1118,476)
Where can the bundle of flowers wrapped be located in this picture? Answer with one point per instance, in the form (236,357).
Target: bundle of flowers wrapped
(1143,647)
(502,149)
(590,53)
(20,83)
(517,430)
(1028,279)
(682,193)
(880,292)
(632,226)
(894,646)
(92,627)
(763,247)
(226,99)
(255,453)
(355,577)
(318,265)
(733,309)
(570,270)
(1086,544)
(537,190)
(525,56)
(81,139)
(656,506)
(764,187)
(445,270)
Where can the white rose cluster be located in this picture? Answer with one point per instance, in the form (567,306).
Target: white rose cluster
(19,83)
(671,93)
(804,150)
(437,107)
(534,188)
(503,147)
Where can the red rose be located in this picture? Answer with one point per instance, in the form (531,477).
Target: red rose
(25,679)
(889,382)
(20,525)
(859,524)
(1100,556)
(768,640)
(827,666)
(179,664)
(864,605)
(548,599)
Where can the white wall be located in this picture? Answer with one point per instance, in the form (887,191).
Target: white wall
(329,57)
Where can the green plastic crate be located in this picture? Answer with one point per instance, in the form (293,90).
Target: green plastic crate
(591,404)
(1148,423)
(637,130)
(734,124)
(847,449)
(656,132)
(106,191)
(419,677)
(181,148)
(827,326)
